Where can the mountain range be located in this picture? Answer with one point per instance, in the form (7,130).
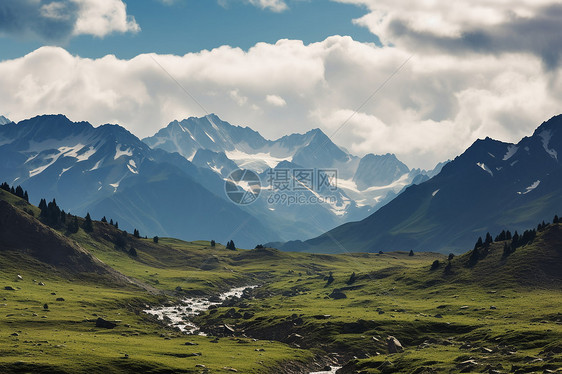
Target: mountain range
(172,184)
(492,186)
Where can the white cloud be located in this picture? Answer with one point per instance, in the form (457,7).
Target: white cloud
(431,111)
(57,21)
(103,17)
(271,5)
(276,100)
(467,26)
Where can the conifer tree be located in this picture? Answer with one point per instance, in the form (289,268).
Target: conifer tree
(88,226)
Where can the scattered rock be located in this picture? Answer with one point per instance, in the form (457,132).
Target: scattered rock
(492,307)
(438,316)
(41,283)
(228,330)
(337,295)
(394,345)
(103,324)
(60,299)
(9,288)
(190,343)
(200,366)
(15,334)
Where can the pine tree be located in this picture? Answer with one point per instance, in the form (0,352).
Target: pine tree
(556,219)
(411,252)
(42,205)
(435,265)
(352,278)
(19,191)
(155,239)
(213,243)
(26,196)
(111,221)
(104,220)
(136,233)
(133,252)
(73,226)
(489,239)
(479,243)
(88,226)
(116,224)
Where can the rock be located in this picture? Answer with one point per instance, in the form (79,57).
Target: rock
(464,307)
(492,307)
(467,366)
(190,343)
(200,366)
(337,295)
(41,283)
(323,316)
(259,350)
(394,345)
(230,369)
(60,299)
(438,316)
(248,315)
(9,288)
(102,323)
(228,330)
(15,334)
(19,277)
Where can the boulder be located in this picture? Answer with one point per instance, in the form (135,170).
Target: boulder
(103,324)
(394,345)
(338,295)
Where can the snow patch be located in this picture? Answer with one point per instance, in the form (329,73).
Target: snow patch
(530,188)
(64,171)
(511,150)
(41,169)
(545,136)
(259,161)
(485,168)
(119,152)
(210,137)
(96,166)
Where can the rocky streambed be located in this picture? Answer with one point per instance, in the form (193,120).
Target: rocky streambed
(180,316)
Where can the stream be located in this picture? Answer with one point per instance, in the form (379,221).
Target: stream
(179,316)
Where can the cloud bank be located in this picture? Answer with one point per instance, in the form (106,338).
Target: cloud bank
(431,111)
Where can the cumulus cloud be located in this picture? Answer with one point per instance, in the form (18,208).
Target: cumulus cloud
(57,21)
(431,111)
(276,100)
(468,26)
(271,5)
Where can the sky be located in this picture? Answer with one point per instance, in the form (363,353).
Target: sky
(419,78)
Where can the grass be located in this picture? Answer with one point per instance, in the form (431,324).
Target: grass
(502,311)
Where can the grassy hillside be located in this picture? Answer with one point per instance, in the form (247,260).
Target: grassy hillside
(500,314)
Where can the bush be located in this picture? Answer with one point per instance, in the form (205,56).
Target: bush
(435,265)
(155,239)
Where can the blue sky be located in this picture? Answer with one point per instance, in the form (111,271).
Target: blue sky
(193,25)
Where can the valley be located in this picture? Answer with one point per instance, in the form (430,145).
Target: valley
(309,311)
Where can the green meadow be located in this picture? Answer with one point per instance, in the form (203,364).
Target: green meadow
(502,314)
